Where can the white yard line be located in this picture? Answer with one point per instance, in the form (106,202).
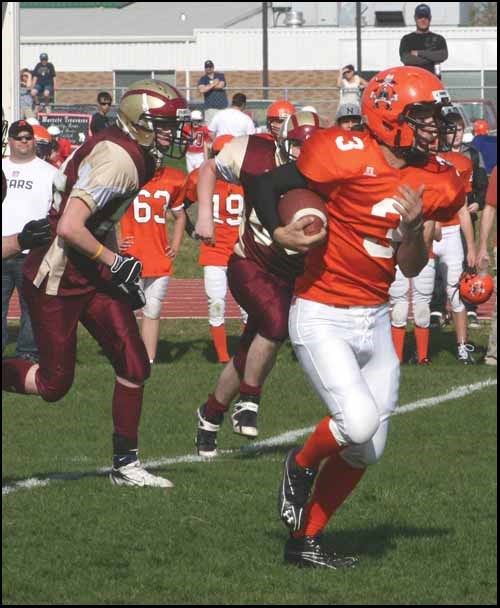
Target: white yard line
(284,438)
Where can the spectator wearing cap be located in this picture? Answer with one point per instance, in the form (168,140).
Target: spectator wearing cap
(348,116)
(44,80)
(211,85)
(101,120)
(350,84)
(423,48)
(485,143)
(29,196)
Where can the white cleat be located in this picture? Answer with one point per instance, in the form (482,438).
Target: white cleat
(134,474)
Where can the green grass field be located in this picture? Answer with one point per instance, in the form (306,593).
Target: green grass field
(423,521)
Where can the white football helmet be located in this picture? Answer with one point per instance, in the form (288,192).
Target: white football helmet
(154,113)
(54,130)
(196,115)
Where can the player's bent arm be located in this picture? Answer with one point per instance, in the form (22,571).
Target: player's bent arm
(206,187)
(72,229)
(412,254)
(265,192)
(468,230)
(485,227)
(178,231)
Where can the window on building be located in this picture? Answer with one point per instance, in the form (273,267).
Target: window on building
(490,85)
(124,78)
(463,85)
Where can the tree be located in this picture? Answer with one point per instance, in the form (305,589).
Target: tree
(483,14)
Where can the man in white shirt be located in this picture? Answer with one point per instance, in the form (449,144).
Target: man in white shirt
(29,196)
(233,120)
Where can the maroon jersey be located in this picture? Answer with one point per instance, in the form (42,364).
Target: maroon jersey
(239,162)
(106,173)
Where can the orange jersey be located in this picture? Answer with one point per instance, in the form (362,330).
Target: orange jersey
(145,220)
(356,264)
(463,165)
(228,206)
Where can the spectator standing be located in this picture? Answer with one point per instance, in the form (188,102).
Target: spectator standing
(29,195)
(423,48)
(101,120)
(144,235)
(197,150)
(350,85)
(348,116)
(232,121)
(25,99)
(44,81)
(61,146)
(211,85)
(487,222)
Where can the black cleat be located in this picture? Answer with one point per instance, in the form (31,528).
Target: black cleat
(307,551)
(464,353)
(294,491)
(244,416)
(206,434)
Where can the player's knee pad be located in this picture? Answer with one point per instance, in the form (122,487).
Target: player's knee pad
(399,314)
(454,296)
(422,314)
(53,386)
(357,430)
(155,291)
(134,363)
(152,309)
(216,310)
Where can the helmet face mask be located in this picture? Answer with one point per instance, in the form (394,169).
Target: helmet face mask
(154,114)
(403,110)
(294,132)
(475,289)
(276,114)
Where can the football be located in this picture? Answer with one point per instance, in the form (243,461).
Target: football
(299,203)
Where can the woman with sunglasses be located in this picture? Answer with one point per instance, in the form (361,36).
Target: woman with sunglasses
(350,84)
(100,120)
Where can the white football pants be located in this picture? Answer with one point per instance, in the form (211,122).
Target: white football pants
(155,291)
(450,253)
(215,278)
(422,287)
(349,358)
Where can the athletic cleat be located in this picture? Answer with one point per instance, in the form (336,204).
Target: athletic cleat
(206,435)
(437,321)
(464,353)
(307,551)
(244,417)
(134,474)
(294,491)
(472,320)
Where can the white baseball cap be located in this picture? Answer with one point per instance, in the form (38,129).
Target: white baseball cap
(54,130)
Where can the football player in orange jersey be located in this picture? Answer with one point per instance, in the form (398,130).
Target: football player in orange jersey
(144,235)
(260,276)
(276,114)
(380,186)
(228,205)
(449,251)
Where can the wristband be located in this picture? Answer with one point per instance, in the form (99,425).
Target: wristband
(100,249)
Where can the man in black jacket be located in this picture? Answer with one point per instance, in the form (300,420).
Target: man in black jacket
(423,48)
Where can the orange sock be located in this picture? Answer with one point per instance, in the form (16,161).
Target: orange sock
(398,337)
(422,340)
(320,444)
(336,480)
(220,342)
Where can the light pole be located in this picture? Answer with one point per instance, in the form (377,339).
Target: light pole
(265,52)
(358,36)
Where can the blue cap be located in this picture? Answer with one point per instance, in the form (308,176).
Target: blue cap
(423,10)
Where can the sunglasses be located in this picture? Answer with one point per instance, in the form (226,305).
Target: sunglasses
(21,137)
(104,103)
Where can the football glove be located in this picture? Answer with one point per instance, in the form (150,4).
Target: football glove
(125,272)
(34,234)
(135,297)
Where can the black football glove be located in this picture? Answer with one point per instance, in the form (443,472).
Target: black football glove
(34,234)
(135,297)
(125,272)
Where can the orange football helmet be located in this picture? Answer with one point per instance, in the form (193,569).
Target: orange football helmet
(481,127)
(276,113)
(43,142)
(475,289)
(395,104)
(154,114)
